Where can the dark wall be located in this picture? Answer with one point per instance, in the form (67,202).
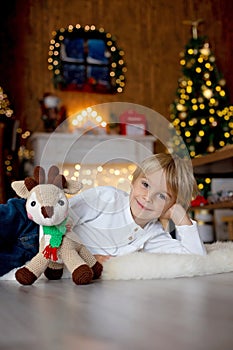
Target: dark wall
(151,33)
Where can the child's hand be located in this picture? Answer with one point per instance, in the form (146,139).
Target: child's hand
(177,214)
(68,227)
(102,258)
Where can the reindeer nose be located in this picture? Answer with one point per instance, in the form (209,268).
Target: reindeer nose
(47,211)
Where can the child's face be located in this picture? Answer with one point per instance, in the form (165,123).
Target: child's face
(150,197)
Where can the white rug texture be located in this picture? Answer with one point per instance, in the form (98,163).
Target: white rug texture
(144,266)
(219,259)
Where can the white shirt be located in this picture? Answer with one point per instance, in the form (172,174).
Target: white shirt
(103,222)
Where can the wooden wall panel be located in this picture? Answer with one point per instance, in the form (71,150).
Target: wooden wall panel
(150,32)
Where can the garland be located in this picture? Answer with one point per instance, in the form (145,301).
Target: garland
(117,66)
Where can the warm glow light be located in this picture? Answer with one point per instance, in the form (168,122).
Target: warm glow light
(208,93)
(201,133)
(118,175)
(192,154)
(87,120)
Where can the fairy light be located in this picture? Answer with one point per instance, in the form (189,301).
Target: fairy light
(208,93)
(87,119)
(191,123)
(192,154)
(201,133)
(92,175)
(200,186)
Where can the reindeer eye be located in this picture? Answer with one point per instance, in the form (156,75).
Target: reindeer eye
(33,203)
(61,202)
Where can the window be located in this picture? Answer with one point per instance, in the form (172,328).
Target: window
(86,59)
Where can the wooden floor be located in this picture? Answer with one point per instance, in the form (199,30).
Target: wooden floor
(175,314)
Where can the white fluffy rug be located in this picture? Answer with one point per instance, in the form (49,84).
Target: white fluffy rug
(219,259)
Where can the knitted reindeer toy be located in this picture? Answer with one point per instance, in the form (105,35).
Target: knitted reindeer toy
(47,205)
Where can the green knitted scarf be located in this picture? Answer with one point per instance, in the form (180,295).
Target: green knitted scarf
(56,232)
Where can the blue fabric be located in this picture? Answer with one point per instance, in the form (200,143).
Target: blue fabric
(19,236)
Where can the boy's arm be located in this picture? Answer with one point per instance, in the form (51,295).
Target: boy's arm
(178,215)
(187,240)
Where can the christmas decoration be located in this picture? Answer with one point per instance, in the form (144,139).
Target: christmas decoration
(5,110)
(88,121)
(13,153)
(132,123)
(201,113)
(53,114)
(86,59)
(8,146)
(47,205)
(199,201)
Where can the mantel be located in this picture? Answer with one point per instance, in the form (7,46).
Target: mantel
(60,148)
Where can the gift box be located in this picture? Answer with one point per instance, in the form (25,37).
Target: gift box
(132,123)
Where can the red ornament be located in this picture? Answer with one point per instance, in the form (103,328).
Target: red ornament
(199,201)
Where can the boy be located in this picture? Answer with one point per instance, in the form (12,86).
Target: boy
(110,222)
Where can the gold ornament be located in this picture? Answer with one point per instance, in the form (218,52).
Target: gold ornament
(180,107)
(208,93)
(222,82)
(205,51)
(211,148)
(183,115)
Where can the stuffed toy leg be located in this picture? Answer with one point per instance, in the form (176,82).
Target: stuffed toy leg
(68,252)
(78,260)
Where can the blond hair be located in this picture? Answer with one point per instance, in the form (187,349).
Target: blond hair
(179,175)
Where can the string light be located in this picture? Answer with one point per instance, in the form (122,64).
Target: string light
(198,113)
(91,175)
(87,119)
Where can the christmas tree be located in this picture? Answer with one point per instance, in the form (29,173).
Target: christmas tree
(201,113)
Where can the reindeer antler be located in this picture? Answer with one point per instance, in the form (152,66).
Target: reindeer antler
(52,173)
(39,178)
(55,178)
(23,188)
(39,175)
